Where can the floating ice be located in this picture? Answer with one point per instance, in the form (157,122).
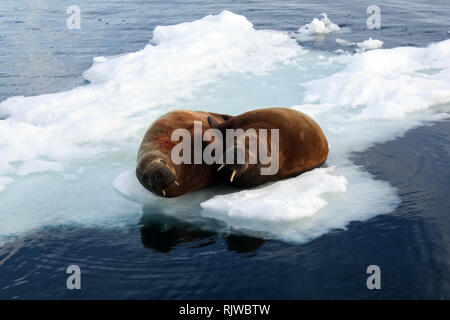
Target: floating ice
(374,98)
(369,44)
(322,26)
(345,43)
(46,138)
(387,84)
(61,152)
(301,196)
(127,184)
(287,211)
(185,207)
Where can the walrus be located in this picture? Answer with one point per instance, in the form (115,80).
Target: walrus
(155,169)
(302,145)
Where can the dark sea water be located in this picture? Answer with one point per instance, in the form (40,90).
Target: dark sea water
(165,258)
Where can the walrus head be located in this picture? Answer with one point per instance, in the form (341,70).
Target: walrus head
(237,170)
(157,171)
(240,173)
(156,174)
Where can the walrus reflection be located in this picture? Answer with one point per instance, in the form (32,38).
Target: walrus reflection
(243,244)
(163,234)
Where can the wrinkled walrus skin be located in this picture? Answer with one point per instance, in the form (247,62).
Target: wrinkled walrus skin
(302,145)
(155,169)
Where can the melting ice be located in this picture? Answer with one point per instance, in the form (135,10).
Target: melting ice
(64,156)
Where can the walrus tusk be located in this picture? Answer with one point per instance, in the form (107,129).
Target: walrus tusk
(176,182)
(164,192)
(220,168)
(232,175)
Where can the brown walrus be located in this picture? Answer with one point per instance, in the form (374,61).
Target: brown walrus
(302,145)
(155,169)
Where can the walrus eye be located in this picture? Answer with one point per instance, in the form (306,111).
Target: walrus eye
(163,161)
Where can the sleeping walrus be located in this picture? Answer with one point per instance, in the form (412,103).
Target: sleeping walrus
(297,146)
(155,169)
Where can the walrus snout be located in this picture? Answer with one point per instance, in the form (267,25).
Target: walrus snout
(235,169)
(156,179)
(239,165)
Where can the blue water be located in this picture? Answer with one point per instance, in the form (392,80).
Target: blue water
(161,257)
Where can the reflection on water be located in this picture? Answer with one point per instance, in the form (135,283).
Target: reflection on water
(162,233)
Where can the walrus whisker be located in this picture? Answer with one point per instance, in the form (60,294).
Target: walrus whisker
(164,192)
(220,168)
(232,175)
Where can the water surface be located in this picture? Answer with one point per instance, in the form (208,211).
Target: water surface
(148,254)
